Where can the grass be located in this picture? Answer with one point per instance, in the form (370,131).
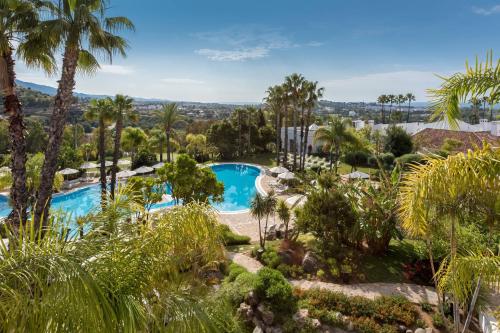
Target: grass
(346,168)
(264,159)
(389,268)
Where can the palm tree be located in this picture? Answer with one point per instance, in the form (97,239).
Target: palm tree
(168,116)
(334,137)
(293,87)
(401,99)
(483,79)
(74,26)
(314,94)
(391,99)
(132,139)
(441,191)
(475,104)
(102,111)
(409,98)
(270,202)
(18,19)
(123,109)
(274,102)
(383,99)
(258,210)
(158,138)
(284,215)
(285,101)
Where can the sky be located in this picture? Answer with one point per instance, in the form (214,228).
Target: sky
(233,50)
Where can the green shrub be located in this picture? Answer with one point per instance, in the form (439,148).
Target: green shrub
(437,320)
(420,323)
(394,309)
(271,258)
(235,291)
(230,238)
(291,271)
(408,159)
(234,271)
(272,286)
(320,273)
(426,307)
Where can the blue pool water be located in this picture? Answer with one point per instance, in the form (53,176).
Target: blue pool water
(239,189)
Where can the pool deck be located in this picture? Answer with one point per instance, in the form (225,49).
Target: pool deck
(244,223)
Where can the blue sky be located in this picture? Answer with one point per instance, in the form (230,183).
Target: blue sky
(232,50)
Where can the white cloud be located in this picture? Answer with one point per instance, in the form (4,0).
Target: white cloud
(174,80)
(234,55)
(116,69)
(487,11)
(368,87)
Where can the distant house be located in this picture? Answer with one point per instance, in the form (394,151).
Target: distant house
(429,136)
(431,139)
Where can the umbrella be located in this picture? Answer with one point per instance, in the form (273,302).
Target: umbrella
(158,166)
(124,162)
(143,169)
(68,171)
(278,170)
(357,175)
(89,165)
(286,175)
(125,174)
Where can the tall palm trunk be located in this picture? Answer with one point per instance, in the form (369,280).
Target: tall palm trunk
(62,103)
(383,114)
(408,114)
(102,159)
(294,121)
(161,150)
(13,111)
(278,138)
(167,134)
(301,137)
(285,150)
(306,137)
(116,153)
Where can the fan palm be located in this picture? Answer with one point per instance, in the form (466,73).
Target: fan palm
(132,139)
(158,138)
(102,111)
(258,210)
(440,192)
(409,98)
(382,100)
(293,86)
(18,18)
(313,95)
(168,116)
(123,109)
(483,79)
(274,102)
(82,30)
(284,215)
(334,137)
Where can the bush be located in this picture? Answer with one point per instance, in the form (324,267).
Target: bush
(271,258)
(407,159)
(291,271)
(234,271)
(386,159)
(272,287)
(426,307)
(230,238)
(394,309)
(143,157)
(437,320)
(397,141)
(236,291)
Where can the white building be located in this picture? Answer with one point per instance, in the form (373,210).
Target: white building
(484,125)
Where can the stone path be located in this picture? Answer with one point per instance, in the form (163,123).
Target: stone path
(414,293)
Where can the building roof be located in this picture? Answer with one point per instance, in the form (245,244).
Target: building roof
(433,139)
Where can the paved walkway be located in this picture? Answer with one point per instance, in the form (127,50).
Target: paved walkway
(414,293)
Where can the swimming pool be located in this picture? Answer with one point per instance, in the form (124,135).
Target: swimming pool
(239,189)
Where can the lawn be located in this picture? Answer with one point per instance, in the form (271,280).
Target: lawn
(389,268)
(265,159)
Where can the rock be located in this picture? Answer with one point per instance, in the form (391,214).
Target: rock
(274,329)
(310,263)
(402,328)
(245,311)
(409,331)
(266,314)
(419,330)
(300,317)
(350,326)
(257,329)
(252,299)
(315,323)
(429,330)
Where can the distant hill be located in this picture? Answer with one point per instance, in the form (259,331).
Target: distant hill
(52,91)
